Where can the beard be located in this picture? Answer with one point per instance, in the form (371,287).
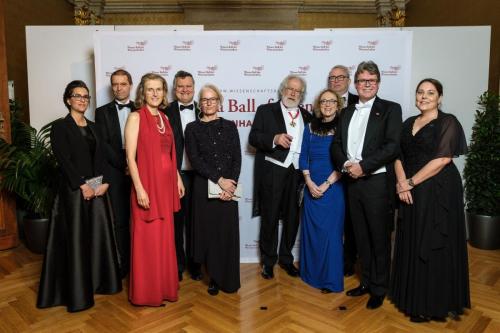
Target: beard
(290,103)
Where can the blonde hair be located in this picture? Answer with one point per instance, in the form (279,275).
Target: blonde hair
(212,87)
(317,107)
(140,96)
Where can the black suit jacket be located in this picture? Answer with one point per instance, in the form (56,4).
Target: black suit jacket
(267,123)
(351,99)
(174,116)
(72,153)
(381,144)
(106,118)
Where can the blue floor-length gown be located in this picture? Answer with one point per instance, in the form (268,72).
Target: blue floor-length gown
(322,226)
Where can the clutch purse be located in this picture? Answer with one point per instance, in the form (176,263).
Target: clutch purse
(214,190)
(94,182)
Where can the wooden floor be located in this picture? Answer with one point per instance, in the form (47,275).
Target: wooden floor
(283,304)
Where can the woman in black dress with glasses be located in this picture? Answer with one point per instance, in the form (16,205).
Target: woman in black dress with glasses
(213,147)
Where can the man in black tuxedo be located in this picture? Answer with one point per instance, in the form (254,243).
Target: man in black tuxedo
(366,145)
(339,81)
(277,134)
(110,119)
(181,112)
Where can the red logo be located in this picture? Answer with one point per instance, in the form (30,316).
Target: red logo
(301,70)
(231,45)
(108,73)
(391,71)
(163,70)
(324,45)
(255,71)
(185,45)
(278,46)
(138,46)
(208,71)
(368,46)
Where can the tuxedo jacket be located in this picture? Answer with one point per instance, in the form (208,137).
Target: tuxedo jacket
(381,144)
(351,99)
(268,122)
(174,116)
(106,118)
(73,155)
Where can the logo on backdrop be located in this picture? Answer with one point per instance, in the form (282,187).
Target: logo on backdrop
(370,45)
(231,45)
(325,45)
(208,71)
(138,46)
(115,68)
(279,45)
(163,70)
(185,45)
(254,71)
(301,70)
(391,71)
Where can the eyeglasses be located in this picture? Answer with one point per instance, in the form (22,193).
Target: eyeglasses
(370,82)
(79,97)
(207,100)
(293,90)
(339,78)
(328,101)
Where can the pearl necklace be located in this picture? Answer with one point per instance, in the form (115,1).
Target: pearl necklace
(161,128)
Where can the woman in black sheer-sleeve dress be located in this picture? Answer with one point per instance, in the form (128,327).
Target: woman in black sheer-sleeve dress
(213,147)
(430,278)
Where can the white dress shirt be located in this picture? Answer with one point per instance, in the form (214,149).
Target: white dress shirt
(122,119)
(187,116)
(296,132)
(356,133)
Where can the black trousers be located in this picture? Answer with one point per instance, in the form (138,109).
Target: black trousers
(350,250)
(371,216)
(119,193)
(182,221)
(278,200)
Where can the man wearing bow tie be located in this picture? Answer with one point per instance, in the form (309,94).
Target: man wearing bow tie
(339,81)
(277,134)
(365,147)
(111,119)
(180,112)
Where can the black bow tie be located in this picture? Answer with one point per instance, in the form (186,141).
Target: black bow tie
(182,107)
(129,105)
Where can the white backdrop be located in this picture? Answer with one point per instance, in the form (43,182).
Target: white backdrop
(248,68)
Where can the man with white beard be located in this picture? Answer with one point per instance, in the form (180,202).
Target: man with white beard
(277,135)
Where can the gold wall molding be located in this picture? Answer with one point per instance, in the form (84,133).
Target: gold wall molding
(245,14)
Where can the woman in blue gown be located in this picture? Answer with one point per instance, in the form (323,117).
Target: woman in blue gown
(322,226)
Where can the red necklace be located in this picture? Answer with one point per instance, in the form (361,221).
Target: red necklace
(293,123)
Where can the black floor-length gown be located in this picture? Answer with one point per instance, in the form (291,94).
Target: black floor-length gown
(81,256)
(430,268)
(214,151)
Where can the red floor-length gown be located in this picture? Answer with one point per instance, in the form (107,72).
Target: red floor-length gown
(153,273)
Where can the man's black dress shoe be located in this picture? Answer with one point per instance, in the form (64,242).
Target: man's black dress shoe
(290,269)
(358,291)
(213,289)
(325,291)
(267,272)
(348,269)
(196,275)
(375,301)
(419,319)
(180,276)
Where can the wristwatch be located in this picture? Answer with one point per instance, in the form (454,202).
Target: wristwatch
(410,182)
(328,182)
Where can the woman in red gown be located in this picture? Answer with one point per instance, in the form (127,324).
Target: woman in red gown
(156,190)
